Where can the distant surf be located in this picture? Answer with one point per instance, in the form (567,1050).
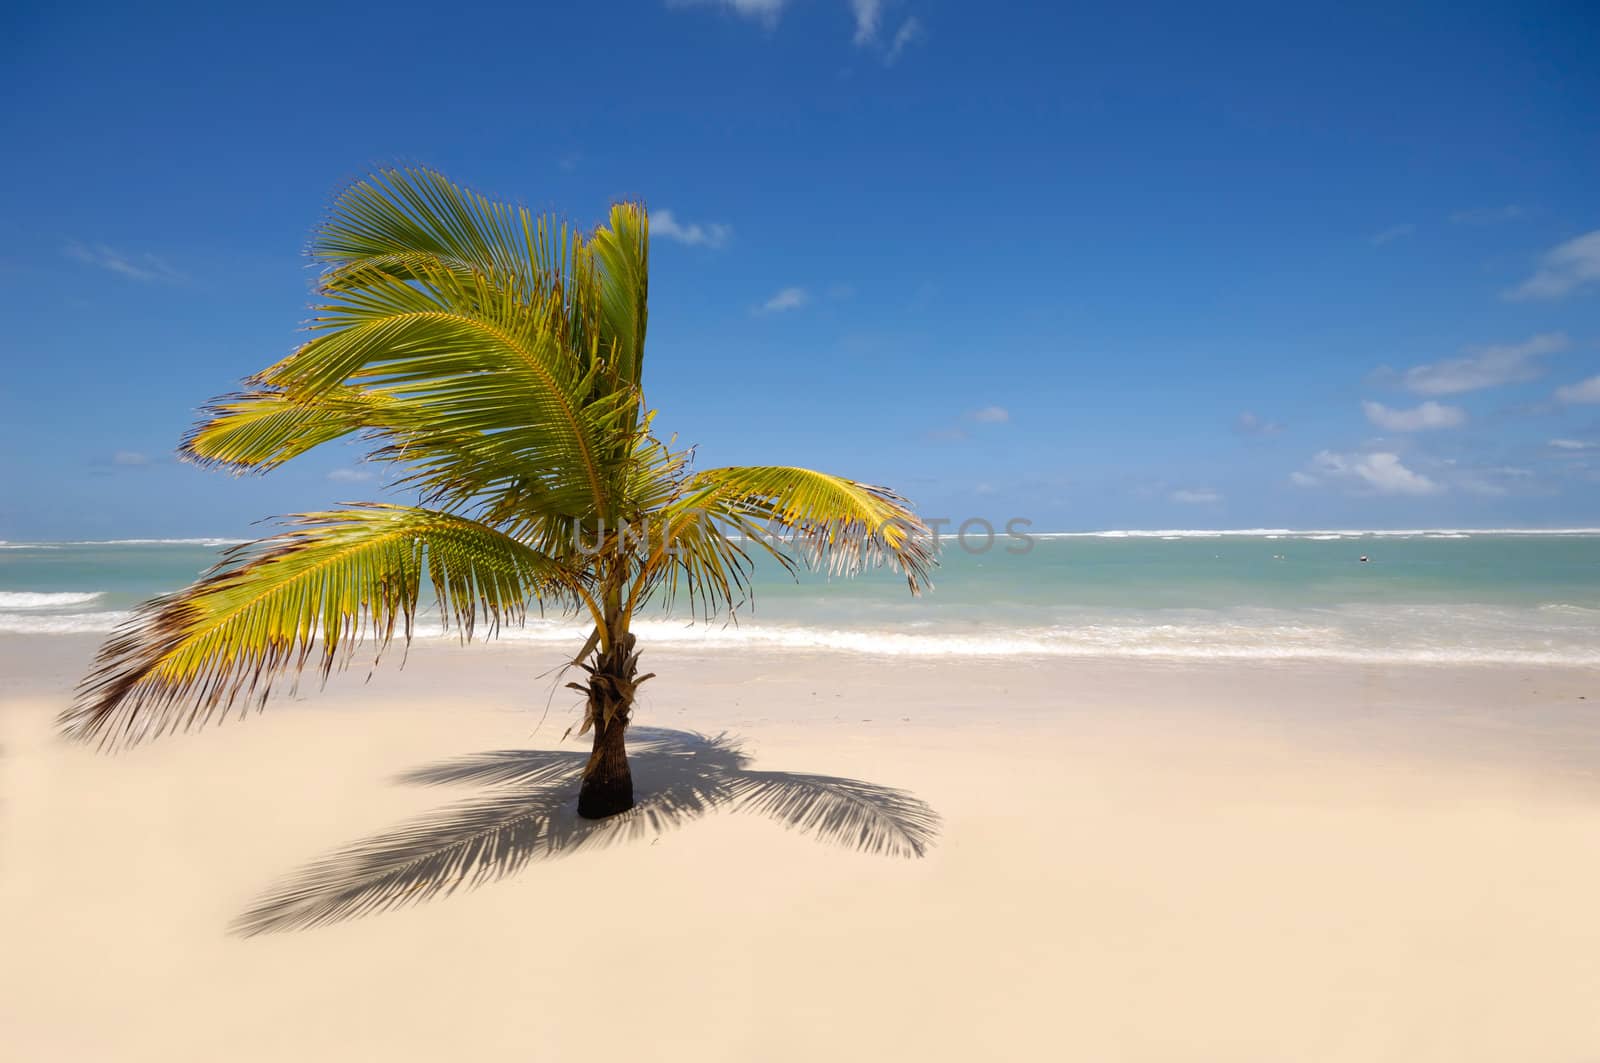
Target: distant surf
(1436,595)
(45,599)
(1307,533)
(6,544)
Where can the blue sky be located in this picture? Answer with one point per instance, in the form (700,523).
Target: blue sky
(1149,266)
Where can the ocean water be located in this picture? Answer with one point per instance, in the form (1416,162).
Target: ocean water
(1422,596)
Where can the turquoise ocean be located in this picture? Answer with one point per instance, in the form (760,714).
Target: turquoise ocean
(1421,596)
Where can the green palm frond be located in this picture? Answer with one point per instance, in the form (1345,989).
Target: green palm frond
(408,223)
(400,216)
(470,367)
(692,557)
(261,429)
(623,251)
(334,581)
(831,522)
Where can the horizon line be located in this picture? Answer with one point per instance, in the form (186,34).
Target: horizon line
(221,540)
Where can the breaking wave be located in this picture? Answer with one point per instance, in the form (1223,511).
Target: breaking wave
(45,599)
(1311,639)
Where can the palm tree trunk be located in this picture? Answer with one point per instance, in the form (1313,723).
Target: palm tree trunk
(607,783)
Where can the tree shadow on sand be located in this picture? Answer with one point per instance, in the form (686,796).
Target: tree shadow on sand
(531,815)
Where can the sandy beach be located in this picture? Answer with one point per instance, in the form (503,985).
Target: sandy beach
(1120,860)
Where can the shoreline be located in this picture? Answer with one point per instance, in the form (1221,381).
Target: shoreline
(953,646)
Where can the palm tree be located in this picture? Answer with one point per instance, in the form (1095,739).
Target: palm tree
(492,360)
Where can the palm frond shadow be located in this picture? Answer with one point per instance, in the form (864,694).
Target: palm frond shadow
(531,816)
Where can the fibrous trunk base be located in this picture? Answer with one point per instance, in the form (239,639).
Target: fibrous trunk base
(608,786)
(607,783)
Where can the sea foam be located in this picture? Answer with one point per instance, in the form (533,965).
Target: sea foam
(45,599)
(1305,533)
(1197,640)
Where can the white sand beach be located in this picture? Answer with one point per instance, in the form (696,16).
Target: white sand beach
(1131,861)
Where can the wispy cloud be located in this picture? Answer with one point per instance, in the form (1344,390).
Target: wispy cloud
(1394,232)
(1421,418)
(959,431)
(1380,471)
(1383,472)
(1496,481)
(1573,444)
(1197,496)
(665,224)
(1485,367)
(785,299)
(1562,269)
(909,33)
(148,268)
(126,461)
(1487,215)
(1584,391)
(868,14)
(1252,424)
(765,12)
(350,476)
(1479,485)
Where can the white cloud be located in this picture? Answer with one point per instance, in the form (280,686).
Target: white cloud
(1582,391)
(1485,367)
(350,476)
(1429,415)
(991,415)
(868,14)
(135,267)
(1197,496)
(765,12)
(694,234)
(1392,233)
(909,33)
(1303,479)
(1250,424)
(130,458)
(785,299)
(1562,269)
(1381,470)
(1573,444)
(1487,215)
